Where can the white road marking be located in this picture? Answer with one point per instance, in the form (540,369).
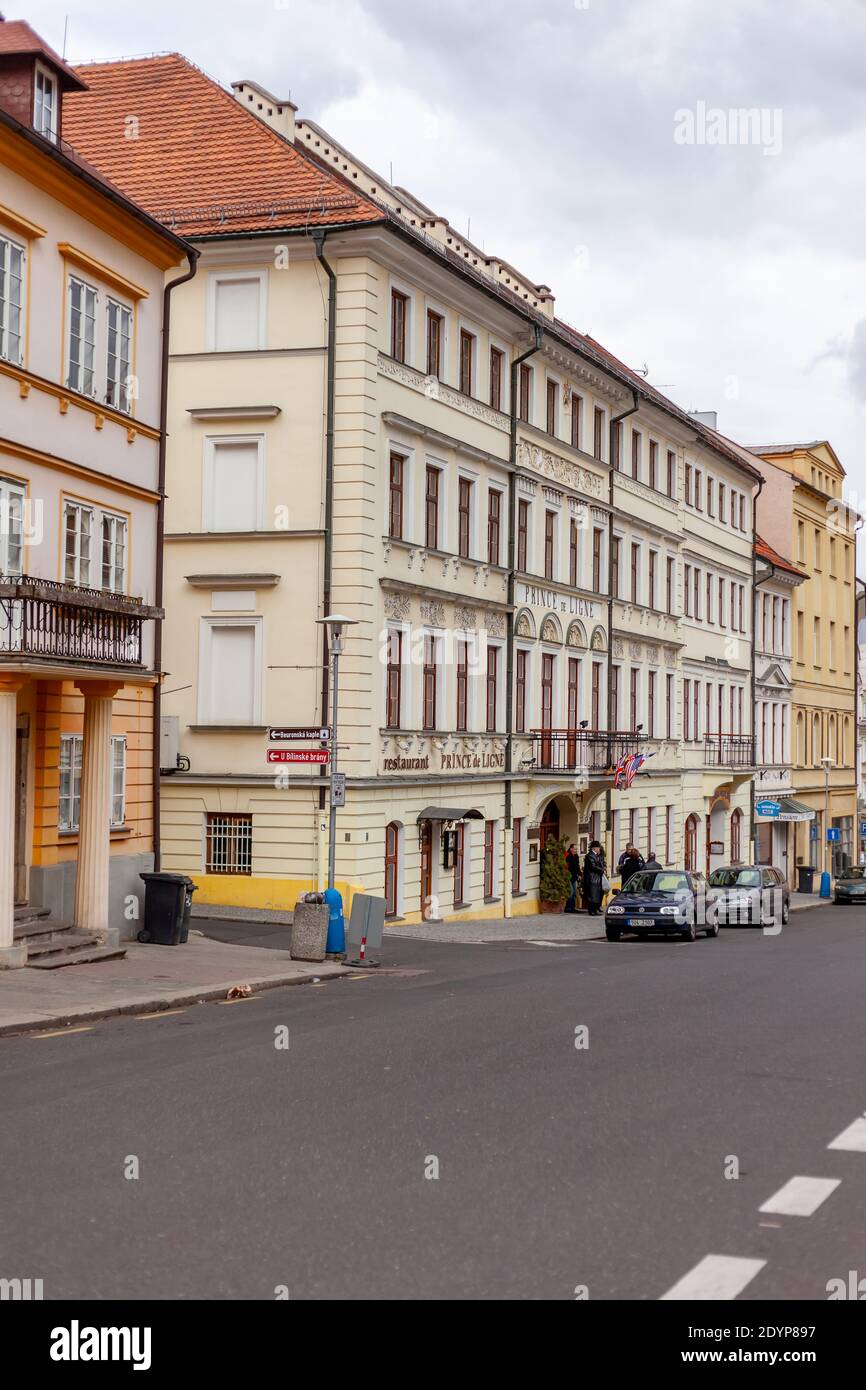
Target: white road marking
(715,1278)
(853,1138)
(800,1196)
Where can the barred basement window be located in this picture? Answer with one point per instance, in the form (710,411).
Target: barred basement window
(229,844)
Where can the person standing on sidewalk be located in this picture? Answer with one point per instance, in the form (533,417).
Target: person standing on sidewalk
(572,859)
(629,863)
(594,875)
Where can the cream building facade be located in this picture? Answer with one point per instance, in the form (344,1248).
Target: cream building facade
(371,416)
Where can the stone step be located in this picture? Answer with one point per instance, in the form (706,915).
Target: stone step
(60,941)
(25,916)
(37,930)
(79,955)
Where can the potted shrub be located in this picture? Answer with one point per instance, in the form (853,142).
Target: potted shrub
(554,884)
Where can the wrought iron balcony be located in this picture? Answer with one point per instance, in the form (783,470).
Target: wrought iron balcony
(42,619)
(729,750)
(582,750)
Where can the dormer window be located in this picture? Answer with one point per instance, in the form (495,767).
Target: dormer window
(45,103)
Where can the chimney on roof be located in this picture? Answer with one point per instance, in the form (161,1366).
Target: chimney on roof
(706,417)
(278,114)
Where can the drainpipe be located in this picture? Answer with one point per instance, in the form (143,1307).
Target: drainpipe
(608,796)
(192,256)
(752,830)
(512,558)
(319,242)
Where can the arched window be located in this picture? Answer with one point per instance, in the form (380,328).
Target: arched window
(392,867)
(801,741)
(817,750)
(736,836)
(691,843)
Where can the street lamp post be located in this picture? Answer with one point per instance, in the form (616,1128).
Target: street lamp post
(335,626)
(826,763)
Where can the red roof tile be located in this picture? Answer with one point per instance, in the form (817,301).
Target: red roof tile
(766,552)
(16,36)
(200,162)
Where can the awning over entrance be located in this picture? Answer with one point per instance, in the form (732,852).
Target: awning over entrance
(448,813)
(789,809)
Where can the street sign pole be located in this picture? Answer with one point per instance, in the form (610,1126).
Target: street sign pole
(332,823)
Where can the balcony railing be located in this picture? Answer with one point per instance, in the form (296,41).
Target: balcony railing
(582,750)
(40,618)
(729,750)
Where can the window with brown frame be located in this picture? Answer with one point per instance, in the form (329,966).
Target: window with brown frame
(494,512)
(522,535)
(635,572)
(435,325)
(633,696)
(721,603)
(549,543)
(392,867)
(669,584)
(653,567)
(672,473)
(467,355)
(636,446)
(598,433)
(651,704)
(742,512)
(576,419)
(698,480)
(459,864)
(669,706)
(709,607)
(595,695)
(573,554)
(552,403)
(464,517)
(616,544)
(687,715)
(492,673)
(431,508)
(617,445)
(525,393)
(489,857)
(696,576)
(430,682)
(688,496)
(653,464)
(597,535)
(497,362)
(399,317)
(687,591)
(711,501)
(516,844)
(613,702)
(395,497)
(462,712)
(393,678)
(722,502)
(520,692)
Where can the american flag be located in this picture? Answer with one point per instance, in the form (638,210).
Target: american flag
(628,767)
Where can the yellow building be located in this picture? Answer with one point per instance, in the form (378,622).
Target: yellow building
(818,533)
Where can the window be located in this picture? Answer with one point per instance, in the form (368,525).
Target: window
(669,834)
(576,420)
(696,576)
(722,516)
(230,672)
(459,864)
(691,843)
(573,555)
(597,534)
(595,695)
(494,511)
(709,609)
(516,859)
(435,324)
(552,406)
(699,477)
(399,317)
(461,723)
(467,361)
(392,867)
(617,444)
(598,433)
(549,543)
(520,712)
(81,341)
(11,301)
(548,663)
(736,824)
(688,497)
(672,473)
(711,504)
(395,497)
(229,843)
(431,509)
(69,803)
(45,104)
(118,780)
(464,517)
(492,671)
(636,447)
(237,311)
(633,697)
(114,549)
(613,721)
(635,572)
(489,858)
(522,535)
(77,532)
(614,566)
(430,681)
(233,492)
(394,678)
(653,464)
(669,584)
(12,501)
(497,363)
(525,393)
(742,512)
(687,706)
(721,606)
(573,696)
(687,591)
(653,567)
(118,381)
(669,706)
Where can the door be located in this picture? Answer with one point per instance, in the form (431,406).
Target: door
(392,849)
(549,825)
(22,747)
(426,838)
(459,850)
(691,845)
(573,702)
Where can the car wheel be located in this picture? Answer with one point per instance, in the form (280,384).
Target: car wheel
(613,933)
(713,930)
(786,912)
(690,932)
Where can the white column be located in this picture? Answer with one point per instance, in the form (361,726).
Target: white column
(10,954)
(94,837)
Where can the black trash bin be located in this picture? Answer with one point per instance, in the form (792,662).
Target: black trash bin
(167,902)
(805,878)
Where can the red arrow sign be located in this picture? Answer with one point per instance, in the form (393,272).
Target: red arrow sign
(298,755)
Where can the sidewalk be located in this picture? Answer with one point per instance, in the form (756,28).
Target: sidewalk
(149,978)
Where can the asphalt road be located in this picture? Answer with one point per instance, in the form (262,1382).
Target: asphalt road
(602,1166)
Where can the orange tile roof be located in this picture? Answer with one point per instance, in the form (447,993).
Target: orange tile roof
(16,36)
(766,552)
(200,162)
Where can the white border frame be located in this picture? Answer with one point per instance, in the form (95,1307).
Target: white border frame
(216,277)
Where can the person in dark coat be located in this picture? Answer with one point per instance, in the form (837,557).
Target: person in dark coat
(572,860)
(651,861)
(593,873)
(629,863)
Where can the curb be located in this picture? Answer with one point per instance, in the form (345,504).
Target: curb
(144,1006)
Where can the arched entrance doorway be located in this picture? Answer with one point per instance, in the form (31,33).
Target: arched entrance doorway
(716,834)
(425,838)
(392,867)
(549,828)
(691,843)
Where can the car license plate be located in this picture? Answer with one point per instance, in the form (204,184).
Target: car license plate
(639,922)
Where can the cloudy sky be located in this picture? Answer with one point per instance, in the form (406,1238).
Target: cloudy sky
(734,271)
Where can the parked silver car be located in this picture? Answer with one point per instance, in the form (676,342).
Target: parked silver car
(749,895)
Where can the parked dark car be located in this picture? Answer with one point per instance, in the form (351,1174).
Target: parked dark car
(749,896)
(851,886)
(659,900)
